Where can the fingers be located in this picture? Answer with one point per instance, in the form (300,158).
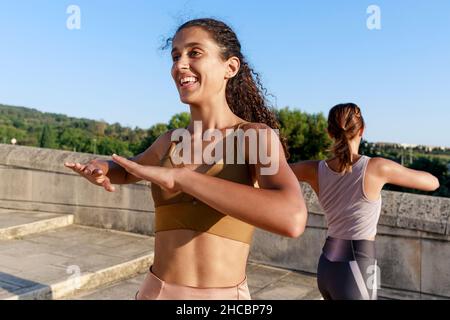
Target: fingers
(90,170)
(128,165)
(120,160)
(132,167)
(108,186)
(84,169)
(77,167)
(97,172)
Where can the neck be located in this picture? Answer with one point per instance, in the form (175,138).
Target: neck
(354,147)
(213,114)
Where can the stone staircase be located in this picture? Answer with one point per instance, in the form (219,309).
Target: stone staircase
(46,256)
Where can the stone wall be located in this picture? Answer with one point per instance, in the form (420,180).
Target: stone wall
(36,179)
(413,245)
(413,242)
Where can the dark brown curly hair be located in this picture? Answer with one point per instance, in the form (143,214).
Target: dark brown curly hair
(344,122)
(245,93)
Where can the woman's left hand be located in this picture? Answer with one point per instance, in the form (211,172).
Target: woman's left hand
(164,177)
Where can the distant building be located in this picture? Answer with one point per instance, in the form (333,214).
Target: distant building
(408,146)
(411,146)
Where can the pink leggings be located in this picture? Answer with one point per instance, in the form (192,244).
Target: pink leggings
(154,288)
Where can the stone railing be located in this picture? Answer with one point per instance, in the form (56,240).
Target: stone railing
(413,242)
(413,245)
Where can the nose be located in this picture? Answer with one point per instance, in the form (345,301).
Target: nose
(182,63)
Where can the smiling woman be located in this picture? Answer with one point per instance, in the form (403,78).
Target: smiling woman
(198,68)
(205,214)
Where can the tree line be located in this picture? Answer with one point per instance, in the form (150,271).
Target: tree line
(305,133)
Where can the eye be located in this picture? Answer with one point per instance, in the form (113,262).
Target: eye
(194,53)
(175,57)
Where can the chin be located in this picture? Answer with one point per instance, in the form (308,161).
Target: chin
(188,99)
(185,100)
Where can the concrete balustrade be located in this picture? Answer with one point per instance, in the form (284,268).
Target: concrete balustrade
(413,242)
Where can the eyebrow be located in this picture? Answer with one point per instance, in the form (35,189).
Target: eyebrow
(189,45)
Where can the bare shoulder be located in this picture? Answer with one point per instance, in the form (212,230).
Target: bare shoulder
(266,139)
(262,130)
(310,164)
(255,126)
(381,166)
(377,161)
(270,168)
(306,170)
(387,170)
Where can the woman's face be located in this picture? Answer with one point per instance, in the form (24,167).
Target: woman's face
(199,72)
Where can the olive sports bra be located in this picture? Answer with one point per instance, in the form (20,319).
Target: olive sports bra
(182,211)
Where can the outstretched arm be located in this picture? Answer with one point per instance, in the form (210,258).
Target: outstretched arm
(105,173)
(276,206)
(392,172)
(306,171)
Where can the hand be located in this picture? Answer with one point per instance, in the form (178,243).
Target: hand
(93,172)
(164,177)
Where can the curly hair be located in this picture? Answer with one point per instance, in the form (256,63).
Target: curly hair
(245,94)
(344,123)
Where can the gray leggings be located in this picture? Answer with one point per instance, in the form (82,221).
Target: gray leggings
(348,270)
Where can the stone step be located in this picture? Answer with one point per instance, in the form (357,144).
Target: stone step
(120,290)
(64,262)
(42,253)
(19,223)
(265,283)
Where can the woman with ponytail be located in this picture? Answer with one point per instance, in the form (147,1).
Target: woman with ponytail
(348,187)
(205,213)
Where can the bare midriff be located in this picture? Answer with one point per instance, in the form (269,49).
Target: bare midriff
(199,259)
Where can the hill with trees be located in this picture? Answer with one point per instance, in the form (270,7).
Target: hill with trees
(306,136)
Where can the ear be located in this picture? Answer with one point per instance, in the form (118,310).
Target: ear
(233,66)
(361,131)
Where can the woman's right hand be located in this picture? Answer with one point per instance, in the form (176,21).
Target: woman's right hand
(94,172)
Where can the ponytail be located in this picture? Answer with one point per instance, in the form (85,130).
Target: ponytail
(344,123)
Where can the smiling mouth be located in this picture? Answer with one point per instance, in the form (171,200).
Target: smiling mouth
(187,82)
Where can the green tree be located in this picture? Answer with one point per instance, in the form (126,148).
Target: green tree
(306,134)
(100,128)
(18,123)
(179,120)
(434,166)
(152,134)
(108,146)
(47,138)
(75,139)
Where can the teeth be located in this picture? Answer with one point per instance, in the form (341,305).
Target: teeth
(187,79)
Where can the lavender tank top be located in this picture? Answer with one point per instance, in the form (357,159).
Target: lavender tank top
(350,214)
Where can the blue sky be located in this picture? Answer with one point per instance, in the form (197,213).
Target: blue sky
(311,55)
